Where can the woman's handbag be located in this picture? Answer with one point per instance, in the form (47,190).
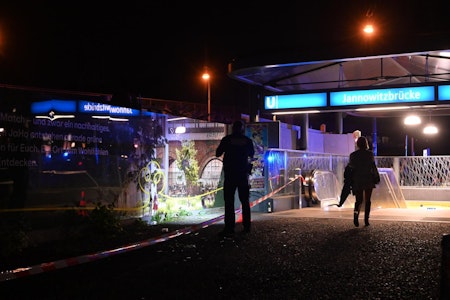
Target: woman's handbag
(375,174)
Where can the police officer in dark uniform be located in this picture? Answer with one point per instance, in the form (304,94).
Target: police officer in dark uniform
(238,150)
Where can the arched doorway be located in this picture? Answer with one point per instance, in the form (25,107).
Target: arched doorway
(209,181)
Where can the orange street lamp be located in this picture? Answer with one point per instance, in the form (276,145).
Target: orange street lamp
(368,29)
(206,77)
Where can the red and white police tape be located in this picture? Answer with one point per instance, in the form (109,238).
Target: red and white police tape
(68,262)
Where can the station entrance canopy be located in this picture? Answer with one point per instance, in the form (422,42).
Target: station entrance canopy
(420,79)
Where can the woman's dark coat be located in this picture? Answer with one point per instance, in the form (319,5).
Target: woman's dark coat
(362,163)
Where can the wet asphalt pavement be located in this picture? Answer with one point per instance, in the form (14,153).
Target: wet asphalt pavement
(288,255)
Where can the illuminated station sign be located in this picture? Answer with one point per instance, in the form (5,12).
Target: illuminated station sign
(357,98)
(382,96)
(444,92)
(101,108)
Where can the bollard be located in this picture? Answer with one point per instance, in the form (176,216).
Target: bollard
(445,267)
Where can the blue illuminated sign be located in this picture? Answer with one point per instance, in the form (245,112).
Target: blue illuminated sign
(59,106)
(105,109)
(382,96)
(295,101)
(444,92)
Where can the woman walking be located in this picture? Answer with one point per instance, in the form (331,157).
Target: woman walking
(364,177)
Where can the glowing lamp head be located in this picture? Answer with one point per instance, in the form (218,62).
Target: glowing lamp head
(206,76)
(412,120)
(368,29)
(430,129)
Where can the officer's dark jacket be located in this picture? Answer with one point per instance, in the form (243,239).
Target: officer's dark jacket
(238,148)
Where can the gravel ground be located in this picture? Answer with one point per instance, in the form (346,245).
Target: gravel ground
(282,258)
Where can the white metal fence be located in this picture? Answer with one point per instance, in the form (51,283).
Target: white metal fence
(419,171)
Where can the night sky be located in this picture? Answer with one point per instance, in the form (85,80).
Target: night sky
(158,49)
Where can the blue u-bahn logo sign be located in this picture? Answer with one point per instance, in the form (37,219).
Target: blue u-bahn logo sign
(295,101)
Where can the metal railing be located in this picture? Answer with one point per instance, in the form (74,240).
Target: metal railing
(418,171)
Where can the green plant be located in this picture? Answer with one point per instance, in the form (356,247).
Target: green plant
(104,221)
(186,161)
(184,213)
(160,217)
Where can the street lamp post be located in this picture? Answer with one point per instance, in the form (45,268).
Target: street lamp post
(207,78)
